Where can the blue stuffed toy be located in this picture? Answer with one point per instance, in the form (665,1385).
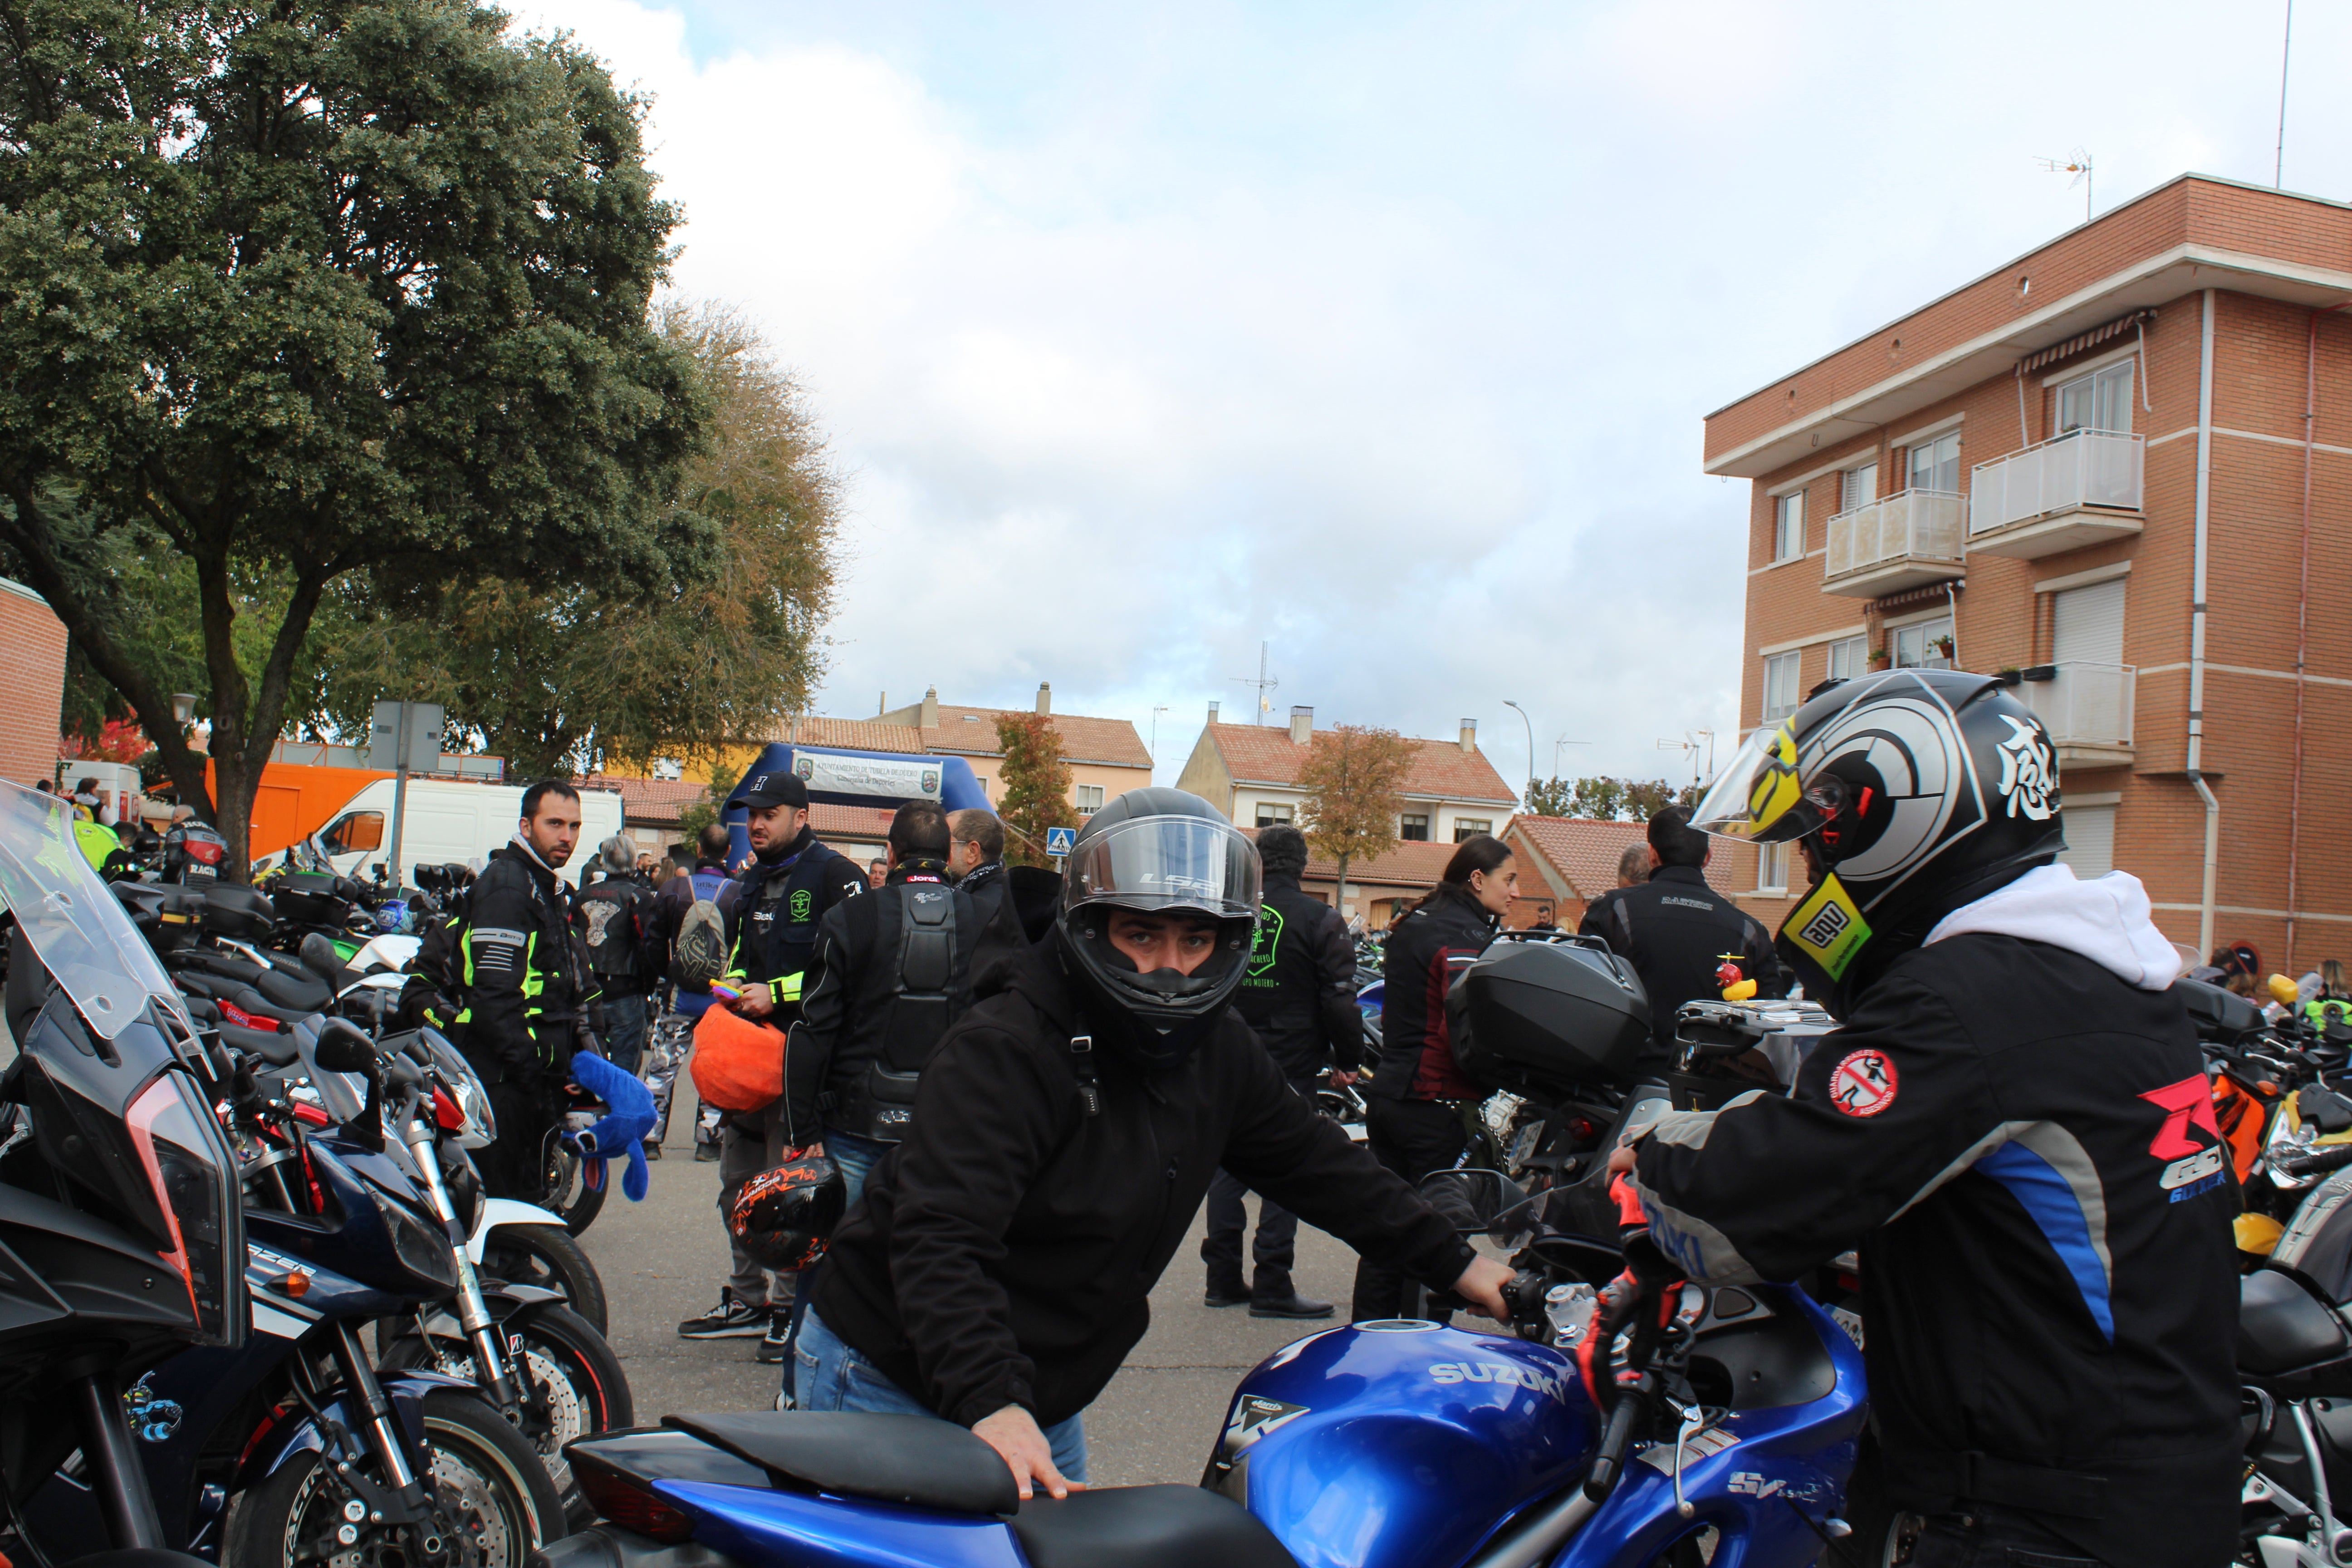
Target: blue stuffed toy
(623,1126)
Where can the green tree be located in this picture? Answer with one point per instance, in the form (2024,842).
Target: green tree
(1354,778)
(609,674)
(1036,785)
(317,289)
(704,812)
(1550,797)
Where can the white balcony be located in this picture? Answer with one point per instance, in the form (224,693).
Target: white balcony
(2088,709)
(1909,540)
(2082,488)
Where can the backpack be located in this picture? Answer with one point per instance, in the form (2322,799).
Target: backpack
(927,995)
(699,956)
(611,922)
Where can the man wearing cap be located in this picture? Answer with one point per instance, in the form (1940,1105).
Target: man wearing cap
(772,909)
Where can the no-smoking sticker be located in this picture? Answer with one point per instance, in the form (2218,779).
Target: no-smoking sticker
(1863,1084)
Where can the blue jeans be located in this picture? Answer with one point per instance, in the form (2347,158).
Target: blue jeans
(832,1376)
(856,1157)
(624,1031)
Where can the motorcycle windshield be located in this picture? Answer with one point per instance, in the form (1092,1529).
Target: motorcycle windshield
(82,936)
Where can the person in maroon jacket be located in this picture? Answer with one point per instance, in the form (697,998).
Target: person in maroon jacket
(1414,1100)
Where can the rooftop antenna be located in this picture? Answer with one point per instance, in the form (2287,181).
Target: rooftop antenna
(1265,683)
(2077,163)
(2286,52)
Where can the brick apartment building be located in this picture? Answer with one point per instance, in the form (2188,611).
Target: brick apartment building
(2036,474)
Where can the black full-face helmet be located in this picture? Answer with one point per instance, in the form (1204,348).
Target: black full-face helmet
(1158,851)
(1915,791)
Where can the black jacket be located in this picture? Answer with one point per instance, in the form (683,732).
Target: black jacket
(859,1041)
(671,901)
(1675,932)
(772,910)
(2012,1135)
(612,916)
(1424,953)
(1004,1253)
(1300,992)
(987,885)
(525,980)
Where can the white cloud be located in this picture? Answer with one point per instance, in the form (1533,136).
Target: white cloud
(1382,335)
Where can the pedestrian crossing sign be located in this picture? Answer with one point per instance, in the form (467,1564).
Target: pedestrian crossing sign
(1060,841)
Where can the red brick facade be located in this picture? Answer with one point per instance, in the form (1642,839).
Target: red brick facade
(32,674)
(2274,269)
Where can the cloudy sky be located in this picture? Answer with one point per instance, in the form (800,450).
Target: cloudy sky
(1381,333)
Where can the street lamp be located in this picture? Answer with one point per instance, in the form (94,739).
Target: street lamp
(1532,741)
(184,707)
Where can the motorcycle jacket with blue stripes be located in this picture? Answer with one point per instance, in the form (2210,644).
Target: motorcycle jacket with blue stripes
(2022,1144)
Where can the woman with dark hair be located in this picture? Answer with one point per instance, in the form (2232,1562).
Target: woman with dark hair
(1414,1100)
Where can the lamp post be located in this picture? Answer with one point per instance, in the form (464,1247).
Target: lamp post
(184,707)
(1531,743)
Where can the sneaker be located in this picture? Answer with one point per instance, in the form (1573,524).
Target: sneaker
(775,1343)
(730,1320)
(706,1151)
(653,1150)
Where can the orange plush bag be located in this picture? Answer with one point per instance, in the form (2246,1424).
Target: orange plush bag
(738,1065)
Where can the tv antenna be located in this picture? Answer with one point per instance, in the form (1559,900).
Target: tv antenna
(1692,744)
(1265,683)
(2077,163)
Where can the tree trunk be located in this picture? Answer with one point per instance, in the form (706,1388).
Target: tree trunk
(1341,904)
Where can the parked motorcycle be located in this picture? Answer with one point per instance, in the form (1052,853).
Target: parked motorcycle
(119,1226)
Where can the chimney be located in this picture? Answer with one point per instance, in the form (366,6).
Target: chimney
(1302,725)
(930,715)
(1470,736)
(1213,712)
(1044,696)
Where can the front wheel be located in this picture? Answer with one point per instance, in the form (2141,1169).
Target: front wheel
(546,1255)
(493,1502)
(570,1383)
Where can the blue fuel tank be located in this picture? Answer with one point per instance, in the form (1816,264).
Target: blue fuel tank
(1402,1444)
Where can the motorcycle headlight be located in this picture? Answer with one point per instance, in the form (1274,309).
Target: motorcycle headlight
(193,1176)
(423,1250)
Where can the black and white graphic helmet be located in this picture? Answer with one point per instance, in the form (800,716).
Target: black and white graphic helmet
(1917,790)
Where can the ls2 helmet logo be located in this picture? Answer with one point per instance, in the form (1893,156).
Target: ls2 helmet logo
(2029,778)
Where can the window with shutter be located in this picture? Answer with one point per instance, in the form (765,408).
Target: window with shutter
(2087,623)
(1859,485)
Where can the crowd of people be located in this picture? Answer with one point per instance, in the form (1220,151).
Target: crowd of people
(1002,1095)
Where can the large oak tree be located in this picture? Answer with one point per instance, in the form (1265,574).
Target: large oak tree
(313,289)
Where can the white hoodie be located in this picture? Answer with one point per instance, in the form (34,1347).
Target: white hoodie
(2105,919)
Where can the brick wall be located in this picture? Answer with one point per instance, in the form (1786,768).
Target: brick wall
(32,674)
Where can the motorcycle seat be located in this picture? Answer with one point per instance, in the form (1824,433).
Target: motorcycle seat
(2283,1327)
(917,1460)
(303,993)
(1145,1527)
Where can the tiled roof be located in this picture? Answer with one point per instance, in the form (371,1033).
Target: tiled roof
(649,801)
(838,822)
(971,731)
(1262,754)
(852,734)
(1585,851)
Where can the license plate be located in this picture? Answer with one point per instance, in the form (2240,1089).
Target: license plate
(1523,1147)
(1851,1323)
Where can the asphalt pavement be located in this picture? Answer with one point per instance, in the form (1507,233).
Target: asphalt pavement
(664,1260)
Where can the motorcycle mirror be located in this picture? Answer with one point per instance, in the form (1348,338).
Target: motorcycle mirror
(343,1048)
(2219,1015)
(1472,1200)
(2284,992)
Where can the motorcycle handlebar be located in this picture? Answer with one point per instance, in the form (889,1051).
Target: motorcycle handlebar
(2330,1159)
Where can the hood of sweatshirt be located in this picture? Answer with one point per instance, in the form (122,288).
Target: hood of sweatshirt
(2104,919)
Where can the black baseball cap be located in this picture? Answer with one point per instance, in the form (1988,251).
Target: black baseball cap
(777,789)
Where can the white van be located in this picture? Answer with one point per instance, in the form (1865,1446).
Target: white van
(450,819)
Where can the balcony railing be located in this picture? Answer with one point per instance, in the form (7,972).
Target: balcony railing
(1908,526)
(2081,468)
(2086,704)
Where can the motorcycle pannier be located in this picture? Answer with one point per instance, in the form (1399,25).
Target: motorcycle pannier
(308,898)
(1544,1017)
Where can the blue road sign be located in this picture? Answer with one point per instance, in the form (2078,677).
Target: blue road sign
(1060,841)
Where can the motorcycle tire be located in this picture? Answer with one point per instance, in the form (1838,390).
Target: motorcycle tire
(1883,1534)
(546,1257)
(569,1193)
(573,1387)
(496,1494)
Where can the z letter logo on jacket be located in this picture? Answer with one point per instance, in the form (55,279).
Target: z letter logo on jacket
(2191,1167)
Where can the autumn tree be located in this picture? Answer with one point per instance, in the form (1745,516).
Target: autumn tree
(297,293)
(1606,799)
(1354,778)
(612,673)
(1036,785)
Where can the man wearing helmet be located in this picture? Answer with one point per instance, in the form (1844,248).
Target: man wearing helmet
(2012,1124)
(997,1270)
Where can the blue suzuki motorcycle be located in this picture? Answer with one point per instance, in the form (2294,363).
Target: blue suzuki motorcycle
(1642,1423)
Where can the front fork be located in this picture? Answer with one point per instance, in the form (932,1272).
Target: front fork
(473,1312)
(401,1497)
